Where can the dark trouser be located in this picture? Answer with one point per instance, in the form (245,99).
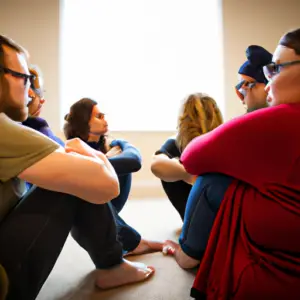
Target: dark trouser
(127,235)
(178,193)
(33,235)
(202,206)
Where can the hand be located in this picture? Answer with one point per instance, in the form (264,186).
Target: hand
(78,146)
(190,179)
(119,143)
(114,151)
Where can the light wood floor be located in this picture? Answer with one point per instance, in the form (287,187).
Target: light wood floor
(73,275)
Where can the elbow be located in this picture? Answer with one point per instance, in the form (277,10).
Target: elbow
(189,163)
(114,190)
(136,161)
(156,169)
(134,164)
(107,191)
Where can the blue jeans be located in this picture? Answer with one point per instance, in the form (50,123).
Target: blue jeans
(33,234)
(202,206)
(127,235)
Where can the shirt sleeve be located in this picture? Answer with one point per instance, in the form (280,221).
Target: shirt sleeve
(20,148)
(129,161)
(169,148)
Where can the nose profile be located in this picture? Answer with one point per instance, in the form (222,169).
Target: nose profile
(267,87)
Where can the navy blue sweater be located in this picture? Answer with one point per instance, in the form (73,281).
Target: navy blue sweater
(129,161)
(42,126)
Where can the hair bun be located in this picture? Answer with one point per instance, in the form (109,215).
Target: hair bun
(258,56)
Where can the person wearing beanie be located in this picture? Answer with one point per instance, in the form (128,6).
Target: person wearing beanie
(251,88)
(36,93)
(253,249)
(251,91)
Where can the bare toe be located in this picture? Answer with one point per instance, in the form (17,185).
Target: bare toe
(125,273)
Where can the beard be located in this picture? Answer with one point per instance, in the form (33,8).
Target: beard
(14,110)
(18,114)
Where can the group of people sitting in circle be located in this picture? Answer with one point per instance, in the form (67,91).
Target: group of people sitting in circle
(235,184)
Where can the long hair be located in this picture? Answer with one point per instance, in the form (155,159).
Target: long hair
(199,114)
(77,122)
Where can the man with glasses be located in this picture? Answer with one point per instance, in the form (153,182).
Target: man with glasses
(251,88)
(70,188)
(253,250)
(36,94)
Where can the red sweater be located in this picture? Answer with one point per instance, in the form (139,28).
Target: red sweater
(254,248)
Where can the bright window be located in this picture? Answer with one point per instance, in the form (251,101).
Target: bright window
(140,58)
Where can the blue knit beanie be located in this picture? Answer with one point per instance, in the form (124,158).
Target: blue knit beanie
(257,57)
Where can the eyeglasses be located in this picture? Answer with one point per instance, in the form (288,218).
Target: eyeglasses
(246,83)
(241,92)
(273,69)
(15,74)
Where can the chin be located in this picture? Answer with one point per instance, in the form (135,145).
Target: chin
(18,115)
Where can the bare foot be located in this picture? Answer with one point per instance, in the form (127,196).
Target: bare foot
(125,273)
(183,260)
(146,246)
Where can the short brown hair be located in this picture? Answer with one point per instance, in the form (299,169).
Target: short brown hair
(291,40)
(4,40)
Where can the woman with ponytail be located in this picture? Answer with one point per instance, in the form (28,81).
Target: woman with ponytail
(198,115)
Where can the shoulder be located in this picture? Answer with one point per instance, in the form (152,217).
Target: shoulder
(35,123)
(169,148)
(5,120)
(15,135)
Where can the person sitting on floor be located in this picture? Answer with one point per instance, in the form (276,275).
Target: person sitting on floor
(36,94)
(252,82)
(251,202)
(199,114)
(251,90)
(71,195)
(86,121)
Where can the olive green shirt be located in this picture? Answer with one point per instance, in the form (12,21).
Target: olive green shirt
(20,148)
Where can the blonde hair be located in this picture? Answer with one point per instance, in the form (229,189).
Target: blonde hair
(199,114)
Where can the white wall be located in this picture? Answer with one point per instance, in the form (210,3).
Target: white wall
(247,22)
(35,24)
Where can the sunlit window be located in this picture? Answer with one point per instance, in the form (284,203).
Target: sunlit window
(140,58)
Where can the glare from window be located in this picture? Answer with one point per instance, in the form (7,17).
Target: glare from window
(139,58)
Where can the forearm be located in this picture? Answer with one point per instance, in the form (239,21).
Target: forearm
(167,169)
(128,161)
(106,162)
(84,176)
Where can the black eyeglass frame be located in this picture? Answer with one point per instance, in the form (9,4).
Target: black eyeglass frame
(16,74)
(247,83)
(276,68)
